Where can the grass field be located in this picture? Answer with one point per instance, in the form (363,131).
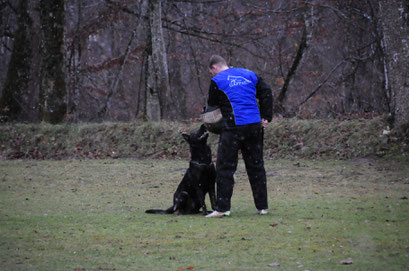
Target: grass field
(89,215)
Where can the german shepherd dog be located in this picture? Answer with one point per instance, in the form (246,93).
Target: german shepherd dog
(199,179)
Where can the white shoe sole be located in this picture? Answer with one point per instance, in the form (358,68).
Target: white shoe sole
(217,214)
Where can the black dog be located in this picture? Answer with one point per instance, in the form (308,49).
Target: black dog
(199,178)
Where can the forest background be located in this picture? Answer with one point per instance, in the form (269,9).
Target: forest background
(107,60)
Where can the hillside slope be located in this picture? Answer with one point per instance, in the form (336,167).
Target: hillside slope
(283,138)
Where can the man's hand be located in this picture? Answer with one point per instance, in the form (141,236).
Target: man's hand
(264,123)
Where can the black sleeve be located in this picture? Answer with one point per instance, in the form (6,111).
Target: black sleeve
(265,97)
(213,99)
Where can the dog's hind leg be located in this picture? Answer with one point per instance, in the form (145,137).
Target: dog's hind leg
(179,201)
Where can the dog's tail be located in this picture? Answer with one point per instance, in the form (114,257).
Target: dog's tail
(170,210)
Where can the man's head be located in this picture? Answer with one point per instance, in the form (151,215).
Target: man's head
(217,64)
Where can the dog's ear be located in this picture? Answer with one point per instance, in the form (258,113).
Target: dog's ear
(203,127)
(186,137)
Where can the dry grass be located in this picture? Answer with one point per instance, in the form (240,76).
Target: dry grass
(89,215)
(284,138)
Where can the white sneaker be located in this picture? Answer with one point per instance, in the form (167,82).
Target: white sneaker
(262,212)
(218,214)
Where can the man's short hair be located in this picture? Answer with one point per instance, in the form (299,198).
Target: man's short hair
(217,60)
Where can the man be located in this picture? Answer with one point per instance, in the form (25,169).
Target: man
(235,91)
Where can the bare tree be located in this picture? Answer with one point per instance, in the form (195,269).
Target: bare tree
(75,46)
(158,88)
(52,84)
(395,21)
(12,104)
(297,59)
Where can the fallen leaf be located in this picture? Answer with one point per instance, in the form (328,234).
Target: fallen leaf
(273,225)
(280,80)
(191,268)
(274,264)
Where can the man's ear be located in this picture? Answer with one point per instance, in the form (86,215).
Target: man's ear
(213,69)
(186,137)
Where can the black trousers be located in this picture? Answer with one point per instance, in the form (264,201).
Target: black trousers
(248,139)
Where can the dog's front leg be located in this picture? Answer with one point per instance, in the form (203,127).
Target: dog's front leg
(197,181)
(201,197)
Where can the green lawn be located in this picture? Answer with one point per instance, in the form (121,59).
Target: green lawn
(89,215)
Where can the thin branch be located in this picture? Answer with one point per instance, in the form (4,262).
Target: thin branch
(198,1)
(276,11)
(138,104)
(3,4)
(322,83)
(337,11)
(5,46)
(113,88)
(224,42)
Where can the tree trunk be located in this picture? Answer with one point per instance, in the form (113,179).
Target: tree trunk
(158,88)
(395,22)
(74,58)
(52,80)
(13,104)
(153,111)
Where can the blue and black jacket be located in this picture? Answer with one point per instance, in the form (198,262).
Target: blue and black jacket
(236,91)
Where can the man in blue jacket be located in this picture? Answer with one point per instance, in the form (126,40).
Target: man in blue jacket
(236,91)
